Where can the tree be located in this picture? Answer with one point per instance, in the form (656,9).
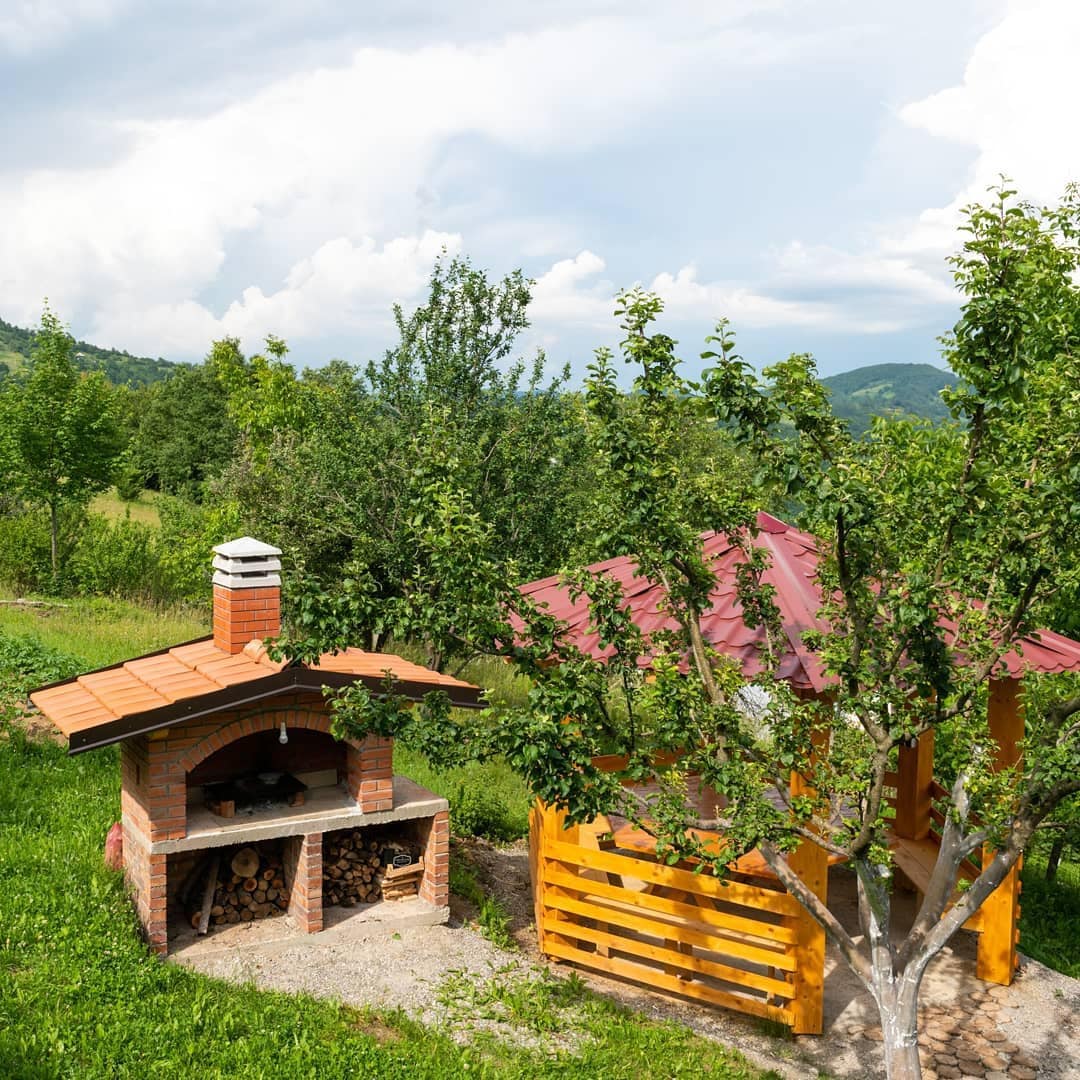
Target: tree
(447,418)
(939,549)
(182,435)
(60,429)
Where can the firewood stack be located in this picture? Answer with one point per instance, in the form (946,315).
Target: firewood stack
(249,886)
(352,869)
(401,882)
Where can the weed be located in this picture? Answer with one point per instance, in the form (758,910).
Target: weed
(492,918)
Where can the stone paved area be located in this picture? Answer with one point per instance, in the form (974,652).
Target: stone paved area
(965,1040)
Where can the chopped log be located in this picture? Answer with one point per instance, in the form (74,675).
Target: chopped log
(251,885)
(245,862)
(208,896)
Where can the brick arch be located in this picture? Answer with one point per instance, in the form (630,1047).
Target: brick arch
(252,724)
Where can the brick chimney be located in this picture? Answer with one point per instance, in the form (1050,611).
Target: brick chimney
(247,593)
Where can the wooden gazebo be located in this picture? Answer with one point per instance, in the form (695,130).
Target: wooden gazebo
(749,945)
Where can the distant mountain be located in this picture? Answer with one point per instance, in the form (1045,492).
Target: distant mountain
(17,346)
(881,389)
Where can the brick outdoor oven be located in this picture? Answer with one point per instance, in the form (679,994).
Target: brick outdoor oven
(227,754)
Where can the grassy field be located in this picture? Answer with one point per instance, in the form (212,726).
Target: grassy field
(102,631)
(81,997)
(110,505)
(1050,916)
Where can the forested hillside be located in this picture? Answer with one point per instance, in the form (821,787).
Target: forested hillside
(118,365)
(886,389)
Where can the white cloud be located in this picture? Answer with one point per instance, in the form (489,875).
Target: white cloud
(1016,106)
(343,285)
(572,293)
(872,277)
(29,24)
(313,166)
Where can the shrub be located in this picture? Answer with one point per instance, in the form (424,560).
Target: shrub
(25,562)
(477,811)
(25,663)
(116,558)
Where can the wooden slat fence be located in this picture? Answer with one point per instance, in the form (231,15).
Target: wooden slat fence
(742,946)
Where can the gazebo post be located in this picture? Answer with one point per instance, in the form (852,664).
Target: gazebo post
(914,784)
(1001,909)
(811,862)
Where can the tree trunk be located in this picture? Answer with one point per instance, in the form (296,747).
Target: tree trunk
(897,997)
(53,533)
(899,1011)
(1057,849)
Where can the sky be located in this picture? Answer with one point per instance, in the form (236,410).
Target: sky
(176,173)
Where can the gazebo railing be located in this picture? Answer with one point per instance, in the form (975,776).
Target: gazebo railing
(627,914)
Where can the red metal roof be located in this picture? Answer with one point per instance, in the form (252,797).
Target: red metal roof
(793,566)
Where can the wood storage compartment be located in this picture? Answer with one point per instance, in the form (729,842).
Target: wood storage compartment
(358,866)
(236,885)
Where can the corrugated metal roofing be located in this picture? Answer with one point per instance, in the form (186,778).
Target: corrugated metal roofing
(793,565)
(152,691)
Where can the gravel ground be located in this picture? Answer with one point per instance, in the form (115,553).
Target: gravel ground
(1029,1030)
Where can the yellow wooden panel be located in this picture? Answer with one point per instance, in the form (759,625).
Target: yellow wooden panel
(729,892)
(760,934)
(701,965)
(658,980)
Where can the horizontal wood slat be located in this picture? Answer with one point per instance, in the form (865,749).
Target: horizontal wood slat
(761,942)
(659,980)
(777,903)
(701,965)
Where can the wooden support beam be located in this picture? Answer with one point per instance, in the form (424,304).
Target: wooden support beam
(811,863)
(915,779)
(1001,909)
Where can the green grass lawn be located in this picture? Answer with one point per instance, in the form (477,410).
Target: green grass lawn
(143,509)
(1050,916)
(103,631)
(81,997)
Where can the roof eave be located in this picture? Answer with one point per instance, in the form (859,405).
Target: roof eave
(246,693)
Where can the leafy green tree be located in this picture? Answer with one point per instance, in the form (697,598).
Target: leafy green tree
(182,432)
(907,542)
(60,430)
(448,415)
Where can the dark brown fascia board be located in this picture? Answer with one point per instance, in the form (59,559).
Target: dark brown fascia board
(231,697)
(121,663)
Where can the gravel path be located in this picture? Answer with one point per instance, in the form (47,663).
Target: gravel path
(1027,1031)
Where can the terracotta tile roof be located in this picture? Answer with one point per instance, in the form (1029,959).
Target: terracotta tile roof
(197,678)
(793,565)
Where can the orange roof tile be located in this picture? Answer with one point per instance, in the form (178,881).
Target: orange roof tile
(198,678)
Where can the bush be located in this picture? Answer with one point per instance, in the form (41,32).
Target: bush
(25,560)
(475,810)
(25,663)
(116,558)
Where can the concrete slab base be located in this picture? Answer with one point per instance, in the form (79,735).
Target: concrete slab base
(342,926)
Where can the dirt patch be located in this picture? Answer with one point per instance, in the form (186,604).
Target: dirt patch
(34,726)
(378,1029)
(504,873)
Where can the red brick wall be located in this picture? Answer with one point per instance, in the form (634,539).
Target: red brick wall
(435,885)
(303,877)
(245,615)
(371,774)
